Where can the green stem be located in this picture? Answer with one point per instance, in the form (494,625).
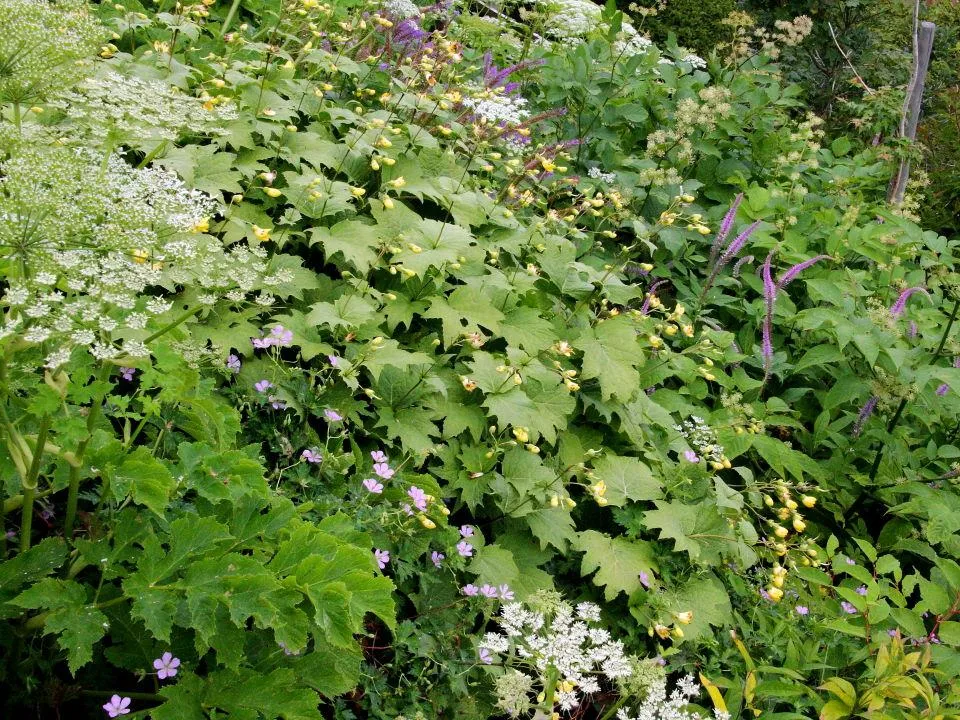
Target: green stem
(612,711)
(891,426)
(229,18)
(176,323)
(16,116)
(30,484)
(73,490)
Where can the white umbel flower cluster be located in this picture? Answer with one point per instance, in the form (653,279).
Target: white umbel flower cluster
(87,244)
(701,438)
(496,108)
(598,174)
(44,46)
(657,706)
(558,640)
(401,9)
(139,108)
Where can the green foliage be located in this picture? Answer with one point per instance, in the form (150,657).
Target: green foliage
(696,25)
(430,348)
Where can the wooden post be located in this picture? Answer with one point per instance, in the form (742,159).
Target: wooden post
(923,47)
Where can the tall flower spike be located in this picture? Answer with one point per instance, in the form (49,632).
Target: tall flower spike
(790,275)
(725,226)
(896,310)
(737,245)
(865,412)
(769,296)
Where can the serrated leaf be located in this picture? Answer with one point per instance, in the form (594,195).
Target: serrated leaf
(618,560)
(610,354)
(147,480)
(626,478)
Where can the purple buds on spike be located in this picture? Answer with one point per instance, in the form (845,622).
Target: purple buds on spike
(865,412)
(896,310)
(791,274)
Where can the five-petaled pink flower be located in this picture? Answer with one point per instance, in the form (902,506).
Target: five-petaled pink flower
(379,456)
(488,591)
(691,456)
(382,556)
(418,496)
(506,593)
(466,531)
(117,706)
(127,373)
(166,665)
(437,558)
(311,455)
(470,590)
(332,415)
(383,470)
(262,385)
(465,549)
(373,486)
(485,657)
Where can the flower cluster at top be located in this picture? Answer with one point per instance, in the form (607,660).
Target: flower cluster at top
(85,238)
(138,108)
(658,706)
(703,442)
(553,638)
(44,46)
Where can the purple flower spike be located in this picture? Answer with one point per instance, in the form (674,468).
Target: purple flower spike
(790,275)
(737,244)
(848,608)
(862,591)
(725,226)
(896,310)
(865,412)
(166,665)
(769,296)
(117,706)
(943,390)
(332,415)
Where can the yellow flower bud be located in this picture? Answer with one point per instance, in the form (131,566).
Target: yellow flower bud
(427,522)
(387,203)
(780,531)
(775,593)
(272,192)
(685,617)
(808,501)
(262,234)
(798,524)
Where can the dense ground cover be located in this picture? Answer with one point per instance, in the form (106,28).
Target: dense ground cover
(369,360)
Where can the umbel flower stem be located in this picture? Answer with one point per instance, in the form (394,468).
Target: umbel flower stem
(30,484)
(891,426)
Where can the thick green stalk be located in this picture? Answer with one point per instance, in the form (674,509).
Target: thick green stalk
(73,490)
(30,485)
(891,426)
(231,13)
